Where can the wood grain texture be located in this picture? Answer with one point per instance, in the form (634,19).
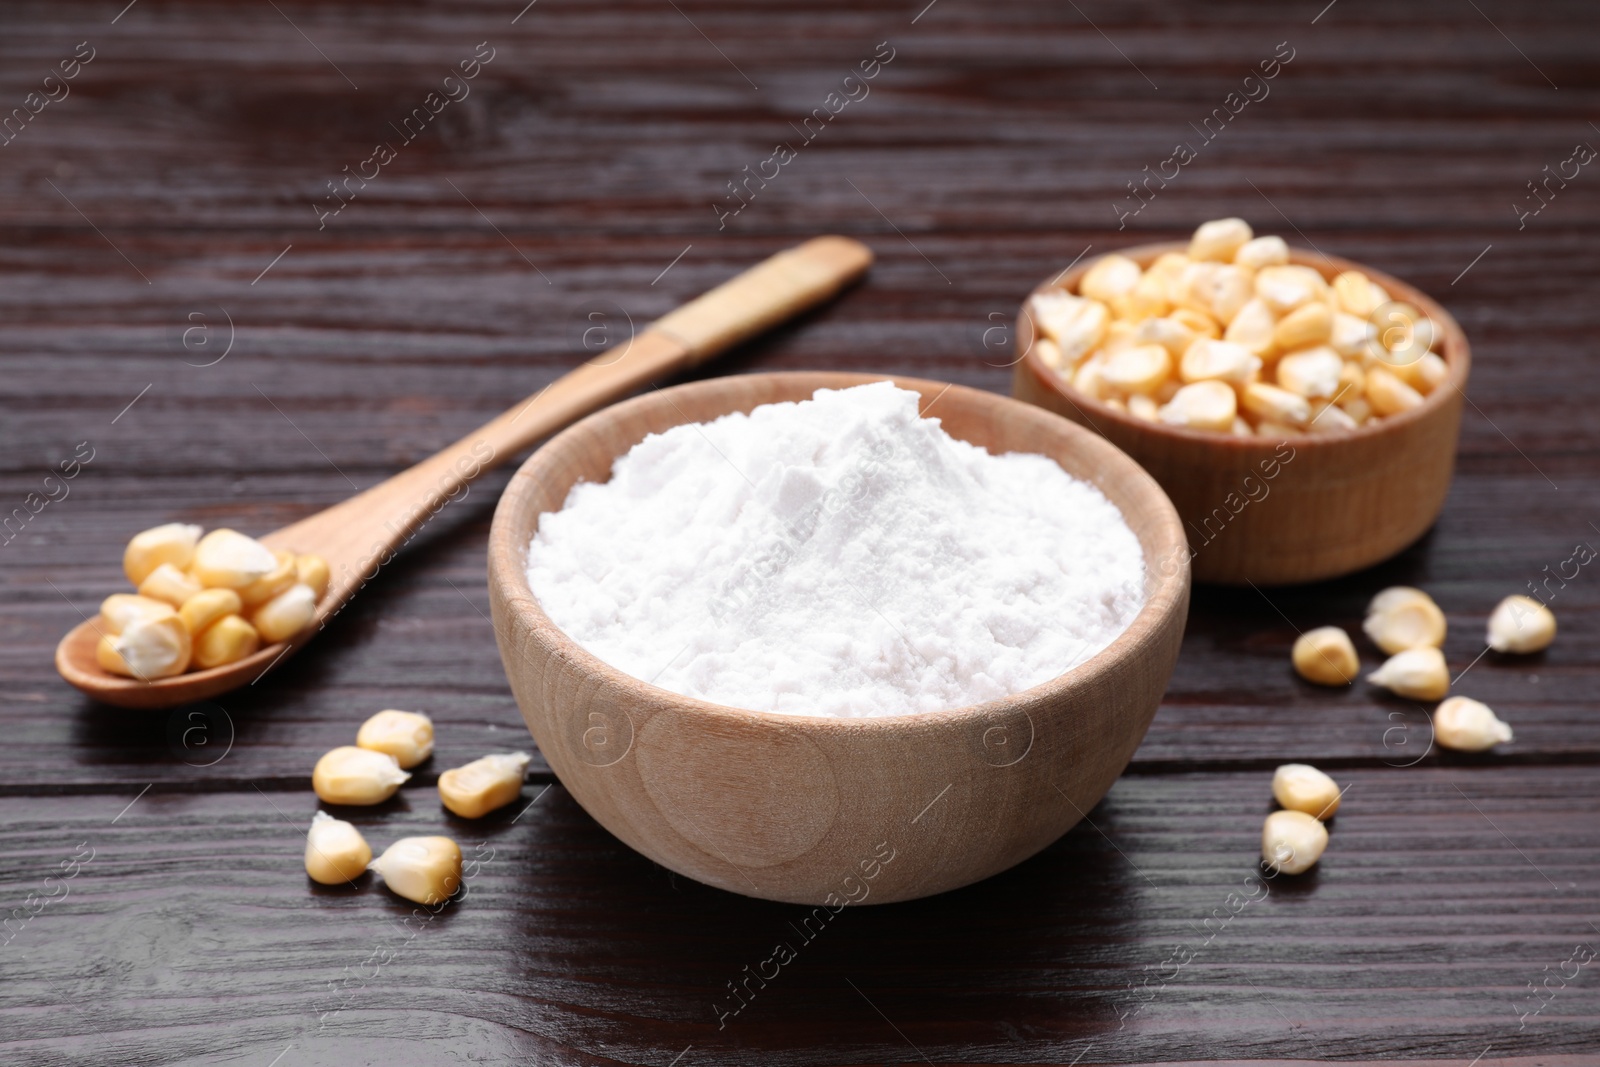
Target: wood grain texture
(1346,501)
(993,149)
(784,806)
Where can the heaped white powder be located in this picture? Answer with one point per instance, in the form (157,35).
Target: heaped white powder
(837,556)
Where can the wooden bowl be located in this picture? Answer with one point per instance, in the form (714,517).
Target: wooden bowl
(1276,512)
(825,810)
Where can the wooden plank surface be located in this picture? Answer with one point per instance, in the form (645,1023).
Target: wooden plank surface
(142,219)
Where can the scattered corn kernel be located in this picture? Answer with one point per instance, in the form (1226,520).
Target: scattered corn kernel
(1086,379)
(1468,726)
(1209,405)
(1261,252)
(1201,323)
(285,614)
(1167,332)
(1288,287)
(484,784)
(1219,290)
(1308,324)
(1144,407)
(173,543)
(1311,372)
(351,775)
(225,641)
(1241,428)
(1331,420)
(336,852)
(1357,408)
(1292,841)
(120,609)
(1350,336)
(1253,328)
(1521,624)
(405,735)
(1301,787)
(1326,656)
(1076,325)
(1418,673)
(1147,299)
(206,607)
(1219,240)
(110,660)
(1208,360)
(1432,372)
(229,559)
(1047,350)
(170,584)
(154,646)
(1272,404)
(426,870)
(1402,617)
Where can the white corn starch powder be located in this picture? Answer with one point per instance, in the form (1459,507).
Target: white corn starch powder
(837,556)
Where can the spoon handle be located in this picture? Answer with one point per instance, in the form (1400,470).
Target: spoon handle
(359,535)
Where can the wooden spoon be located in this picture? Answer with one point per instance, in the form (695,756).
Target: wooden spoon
(359,535)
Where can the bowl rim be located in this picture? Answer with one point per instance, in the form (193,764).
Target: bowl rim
(1457,354)
(1166,594)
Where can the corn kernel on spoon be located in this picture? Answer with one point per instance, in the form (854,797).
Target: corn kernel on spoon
(359,535)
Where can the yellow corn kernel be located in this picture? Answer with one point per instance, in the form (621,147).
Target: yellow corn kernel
(120,609)
(336,852)
(1286,288)
(228,559)
(1331,419)
(1147,299)
(1292,841)
(1326,656)
(1115,403)
(1137,370)
(1119,335)
(1241,428)
(1086,379)
(1404,332)
(1418,673)
(1401,617)
(479,787)
(285,614)
(105,654)
(1208,360)
(1048,351)
(405,735)
(206,607)
(1468,725)
(1219,240)
(1521,624)
(154,647)
(1168,390)
(1350,336)
(1109,277)
(1261,252)
(263,589)
(426,870)
(1208,405)
(1308,324)
(1301,787)
(1311,372)
(1168,267)
(1270,403)
(1357,408)
(170,584)
(1253,327)
(1432,372)
(1073,323)
(1387,394)
(173,543)
(1219,290)
(1167,332)
(227,640)
(1144,407)
(1199,322)
(1358,294)
(1352,381)
(351,775)
(1277,431)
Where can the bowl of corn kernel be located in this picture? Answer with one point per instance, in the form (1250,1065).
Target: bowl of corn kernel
(1301,410)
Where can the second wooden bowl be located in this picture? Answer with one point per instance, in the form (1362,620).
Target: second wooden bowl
(821,810)
(1276,512)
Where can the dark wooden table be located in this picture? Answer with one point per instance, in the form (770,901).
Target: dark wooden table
(180,302)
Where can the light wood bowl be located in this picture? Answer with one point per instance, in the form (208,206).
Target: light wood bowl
(807,809)
(1339,503)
